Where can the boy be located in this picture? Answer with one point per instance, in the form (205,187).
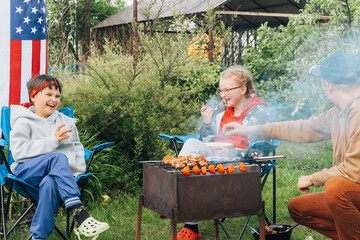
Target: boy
(48,154)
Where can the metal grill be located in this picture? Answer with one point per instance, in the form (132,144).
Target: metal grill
(199,197)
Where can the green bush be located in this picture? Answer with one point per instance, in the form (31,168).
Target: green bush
(118,100)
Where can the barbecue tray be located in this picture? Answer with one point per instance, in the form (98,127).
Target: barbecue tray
(201,197)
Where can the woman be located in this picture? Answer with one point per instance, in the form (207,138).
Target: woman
(242,106)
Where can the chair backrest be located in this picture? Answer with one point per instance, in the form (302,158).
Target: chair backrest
(6,127)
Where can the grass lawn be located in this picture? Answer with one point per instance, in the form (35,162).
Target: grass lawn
(301,159)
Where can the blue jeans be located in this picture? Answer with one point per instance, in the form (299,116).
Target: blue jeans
(52,174)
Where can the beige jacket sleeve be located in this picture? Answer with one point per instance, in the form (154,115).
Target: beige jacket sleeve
(346,152)
(311,130)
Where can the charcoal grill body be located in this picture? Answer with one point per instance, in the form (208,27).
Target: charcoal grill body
(198,197)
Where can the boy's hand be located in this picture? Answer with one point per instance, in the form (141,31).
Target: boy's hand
(61,134)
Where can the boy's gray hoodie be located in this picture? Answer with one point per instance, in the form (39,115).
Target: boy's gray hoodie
(32,136)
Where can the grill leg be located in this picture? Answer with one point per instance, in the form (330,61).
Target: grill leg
(173,228)
(138,218)
(262,222)
(216,229)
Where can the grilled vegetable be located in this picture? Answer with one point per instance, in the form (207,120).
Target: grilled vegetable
(196,170)
(186,171)
(242,167)
(203,170)
(212,169)
(230,169)
(220,168)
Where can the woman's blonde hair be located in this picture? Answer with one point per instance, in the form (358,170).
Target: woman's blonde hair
(241,75)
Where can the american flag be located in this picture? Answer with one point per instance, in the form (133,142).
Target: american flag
(23,47)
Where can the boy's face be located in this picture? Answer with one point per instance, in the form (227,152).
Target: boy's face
(46,101)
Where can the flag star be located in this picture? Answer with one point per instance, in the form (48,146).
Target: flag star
(34,10)
(27,20)
(27,1)
(19,30)
(40,20)
(44,29)
(19,9)
(43,9)
(33,30)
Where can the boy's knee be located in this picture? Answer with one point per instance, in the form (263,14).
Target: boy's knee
(58,156)
(48,182)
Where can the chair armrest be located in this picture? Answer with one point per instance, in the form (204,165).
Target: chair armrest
(178,139)
(96,150)
(100,147)
(3,144)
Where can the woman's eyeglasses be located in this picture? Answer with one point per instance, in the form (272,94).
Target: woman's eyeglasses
(226,91)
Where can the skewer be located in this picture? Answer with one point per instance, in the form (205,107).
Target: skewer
(151,161)
(257,159)
(269,158)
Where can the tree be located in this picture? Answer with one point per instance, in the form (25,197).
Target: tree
(62,29)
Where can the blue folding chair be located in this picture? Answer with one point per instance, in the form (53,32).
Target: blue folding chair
(11,182)
(265,147)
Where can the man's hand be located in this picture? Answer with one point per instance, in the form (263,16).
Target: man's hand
(61,134)
(304,182)
(235,128)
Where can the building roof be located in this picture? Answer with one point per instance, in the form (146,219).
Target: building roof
(249,13)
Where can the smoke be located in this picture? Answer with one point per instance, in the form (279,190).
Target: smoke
(292,92)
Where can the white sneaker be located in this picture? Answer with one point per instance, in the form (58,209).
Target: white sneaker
(309,238)
(91,228)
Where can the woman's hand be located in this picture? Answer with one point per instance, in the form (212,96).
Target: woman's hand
(61,134)
(304,183)
(206,114)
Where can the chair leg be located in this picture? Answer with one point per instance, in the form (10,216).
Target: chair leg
(175,148)
(274,195)
(68,232)
(3,219)
(21,218)
(60,233)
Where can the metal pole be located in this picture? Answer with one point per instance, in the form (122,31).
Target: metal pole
(135,29)
(77,29)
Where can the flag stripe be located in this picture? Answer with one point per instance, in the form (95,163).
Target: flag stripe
(47,57)
(35,58)
(15,71)
(43,57)
(26,64)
